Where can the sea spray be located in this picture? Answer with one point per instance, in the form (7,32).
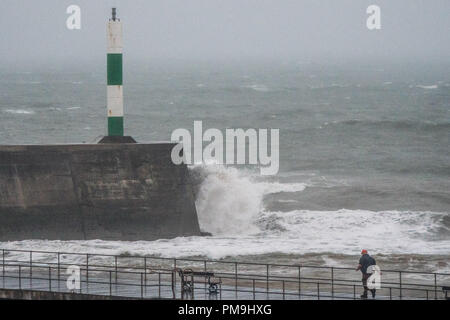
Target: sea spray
(229,200)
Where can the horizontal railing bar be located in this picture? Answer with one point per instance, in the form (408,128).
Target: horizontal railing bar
(84,269)
(94,268)
(25,277)
(322,294)
(25,263)
(211,261)
(230,276)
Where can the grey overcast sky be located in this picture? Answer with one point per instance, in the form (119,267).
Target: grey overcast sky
(35,31)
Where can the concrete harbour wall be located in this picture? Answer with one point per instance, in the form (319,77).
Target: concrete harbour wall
(94,191)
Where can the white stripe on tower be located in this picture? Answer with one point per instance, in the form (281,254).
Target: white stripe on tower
(114,77)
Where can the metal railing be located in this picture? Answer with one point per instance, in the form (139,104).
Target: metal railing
(157,277)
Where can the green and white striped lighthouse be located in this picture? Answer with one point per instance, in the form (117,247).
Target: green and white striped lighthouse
(114,76)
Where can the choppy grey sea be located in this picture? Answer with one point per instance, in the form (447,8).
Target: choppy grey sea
(364,154)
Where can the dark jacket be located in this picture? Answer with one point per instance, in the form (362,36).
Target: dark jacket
(366,261)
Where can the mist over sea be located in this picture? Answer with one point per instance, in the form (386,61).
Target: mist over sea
(364,154)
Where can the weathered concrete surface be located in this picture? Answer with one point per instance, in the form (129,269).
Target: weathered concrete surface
(94,191)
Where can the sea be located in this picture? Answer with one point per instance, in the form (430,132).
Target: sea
(364,153)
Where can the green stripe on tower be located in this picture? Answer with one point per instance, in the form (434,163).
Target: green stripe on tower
(114,66)
(115,126)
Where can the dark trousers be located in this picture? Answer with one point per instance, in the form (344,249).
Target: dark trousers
(364,282)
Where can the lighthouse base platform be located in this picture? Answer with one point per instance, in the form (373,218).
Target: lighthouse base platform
(116,139)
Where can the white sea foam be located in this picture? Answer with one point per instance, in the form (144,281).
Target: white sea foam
(19,111)
(434,86)
(276,187)
(258,87)
(340,232)
(230,206)
(343,231)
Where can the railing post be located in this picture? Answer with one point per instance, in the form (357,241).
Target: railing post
(400,282)
(390,293)
(31,269)
(87,273)
(332,283)
(115,268)
(254,289)
(236,278)
(159,284)
(145,274)
(267,280)
(204,269)
(175,276)
(318,291)
(110,283)
(20,276)
(142,288)
(284,296)
(299,282)
(193,287)
(50,279)
(173,285)
(354,292)
(435,287)
(59,270)
(3,266)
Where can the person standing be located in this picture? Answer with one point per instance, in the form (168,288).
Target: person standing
(364,263)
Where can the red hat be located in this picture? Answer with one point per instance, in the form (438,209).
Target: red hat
(364,251)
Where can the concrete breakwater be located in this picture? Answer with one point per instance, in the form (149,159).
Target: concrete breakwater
(125,191)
